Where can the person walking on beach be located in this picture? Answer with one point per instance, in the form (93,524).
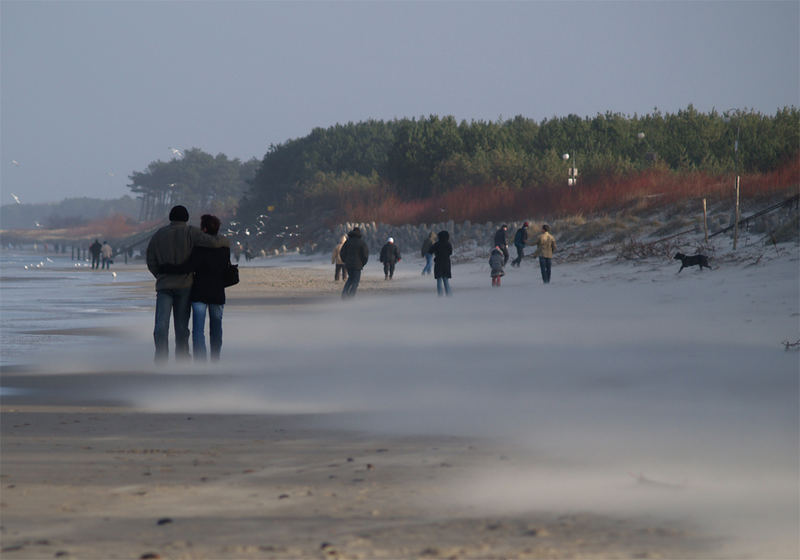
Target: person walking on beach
(355,255)
(546,246)
(520,240)
(390,255)
(496,265)
(336,260)
(173,244)
(95,249)
(426,254)
(107,253)
(501,241)
(208,290)
(441,251)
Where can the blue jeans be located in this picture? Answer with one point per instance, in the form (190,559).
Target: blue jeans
(175,302)
(544,264)
(428,263)
(353,278)
(214,329)
(440,282)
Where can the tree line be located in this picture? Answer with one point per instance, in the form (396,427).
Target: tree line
(420,158)
(201,182)
(417,158)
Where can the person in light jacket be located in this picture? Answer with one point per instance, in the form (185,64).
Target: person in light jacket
(336,260)
(545,247)
(107,253)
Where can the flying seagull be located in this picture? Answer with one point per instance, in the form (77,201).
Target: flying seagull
(15,162)
(176,152)
(16,198)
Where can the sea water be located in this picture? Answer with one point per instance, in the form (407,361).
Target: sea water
(46,301)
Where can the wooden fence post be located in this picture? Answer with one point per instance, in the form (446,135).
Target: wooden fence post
(736,217)
(705,220)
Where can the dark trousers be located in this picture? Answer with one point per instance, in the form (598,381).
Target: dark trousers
(353,278)
(95,262)
(520,253)
(544,264)
(340,268)
(504,248)
(388,269)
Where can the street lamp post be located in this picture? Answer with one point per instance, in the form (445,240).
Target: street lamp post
(572,171)
(736,164)
(736,183)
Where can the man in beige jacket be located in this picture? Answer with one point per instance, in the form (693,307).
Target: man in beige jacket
(336,259)
(545,247)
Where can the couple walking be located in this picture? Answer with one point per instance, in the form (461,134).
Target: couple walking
(189,264)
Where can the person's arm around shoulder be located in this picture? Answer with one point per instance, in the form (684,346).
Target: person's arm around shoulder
(152,259)
(189,265)
(202,239)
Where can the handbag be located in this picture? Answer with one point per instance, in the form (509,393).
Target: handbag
(231,275)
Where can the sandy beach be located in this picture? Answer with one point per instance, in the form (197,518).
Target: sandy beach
(282,452)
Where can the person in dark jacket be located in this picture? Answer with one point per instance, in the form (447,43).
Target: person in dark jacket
(390,255)
(441,251)
(426,245)
(501,241)
(355,255)
(208,290)
(95,249)
(173,244)
(520,240)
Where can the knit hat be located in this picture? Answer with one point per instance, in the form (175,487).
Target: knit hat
(179,214)
(390,240)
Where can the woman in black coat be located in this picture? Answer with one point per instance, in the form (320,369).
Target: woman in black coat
(441,251)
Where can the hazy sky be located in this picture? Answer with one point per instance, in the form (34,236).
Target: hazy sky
(93,91)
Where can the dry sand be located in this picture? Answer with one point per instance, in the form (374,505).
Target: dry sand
(114,482)
(87,482)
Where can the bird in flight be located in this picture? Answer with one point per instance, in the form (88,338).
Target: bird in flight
(176,152)
(16,198)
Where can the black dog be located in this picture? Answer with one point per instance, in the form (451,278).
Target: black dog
(694,260)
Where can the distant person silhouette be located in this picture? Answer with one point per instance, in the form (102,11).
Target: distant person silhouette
(546,246)
(390,256)
(107,253)
(441,251)
(94,250)
(355,255)
(337,262)
(426,245)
